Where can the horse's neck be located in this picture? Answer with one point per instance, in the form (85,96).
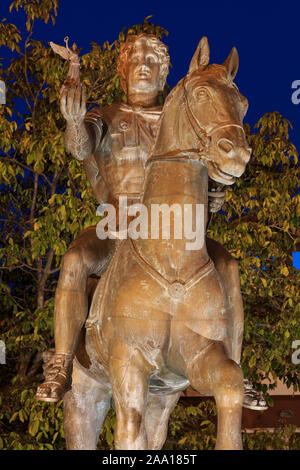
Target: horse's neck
(175,179)
(175,136)
(184,183)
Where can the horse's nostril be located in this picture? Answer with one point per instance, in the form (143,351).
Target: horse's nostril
(225,145)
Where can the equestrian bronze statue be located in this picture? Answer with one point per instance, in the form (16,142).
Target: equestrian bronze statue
(162,317)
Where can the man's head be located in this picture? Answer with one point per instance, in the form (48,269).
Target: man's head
(143,65)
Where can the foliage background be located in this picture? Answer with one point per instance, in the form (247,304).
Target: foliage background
(46,203)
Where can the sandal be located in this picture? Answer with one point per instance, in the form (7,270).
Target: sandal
(253,399)
(57,372)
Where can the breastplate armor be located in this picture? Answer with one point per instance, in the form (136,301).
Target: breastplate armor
(128,136)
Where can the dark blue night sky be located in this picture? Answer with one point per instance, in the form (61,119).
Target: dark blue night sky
(266,34)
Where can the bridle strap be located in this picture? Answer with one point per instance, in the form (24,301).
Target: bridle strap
(202,135)
(217,128)
(195,123)
(198,130)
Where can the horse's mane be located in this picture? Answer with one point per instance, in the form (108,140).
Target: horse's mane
(174,133)
(172,93)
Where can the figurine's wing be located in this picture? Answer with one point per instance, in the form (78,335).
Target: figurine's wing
(60,50)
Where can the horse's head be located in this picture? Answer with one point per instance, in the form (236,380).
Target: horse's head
(204,115)
(216,109)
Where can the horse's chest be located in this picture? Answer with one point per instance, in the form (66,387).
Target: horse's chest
(142,312)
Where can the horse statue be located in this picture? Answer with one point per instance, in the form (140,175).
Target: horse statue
(158,317)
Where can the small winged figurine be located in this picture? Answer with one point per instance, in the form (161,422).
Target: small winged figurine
(71,55)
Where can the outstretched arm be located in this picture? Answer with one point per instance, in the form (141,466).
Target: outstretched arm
(80,139)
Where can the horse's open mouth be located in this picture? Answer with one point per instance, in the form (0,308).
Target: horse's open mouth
(225,175)
(221,176)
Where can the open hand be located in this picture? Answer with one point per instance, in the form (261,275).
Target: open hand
(73,102)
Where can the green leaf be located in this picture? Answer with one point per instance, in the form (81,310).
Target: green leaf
(33,427)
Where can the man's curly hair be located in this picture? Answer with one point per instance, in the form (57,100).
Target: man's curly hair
(159,48)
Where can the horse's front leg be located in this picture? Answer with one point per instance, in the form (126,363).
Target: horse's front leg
(85,408)
(159,409)
(228,269)
(213,372)
(129,375)
(210,371)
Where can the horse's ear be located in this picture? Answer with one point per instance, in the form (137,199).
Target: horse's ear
(232,62)
(201,56)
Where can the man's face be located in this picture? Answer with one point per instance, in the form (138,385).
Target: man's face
(143,70)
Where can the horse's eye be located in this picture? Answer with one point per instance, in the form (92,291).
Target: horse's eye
(201,94)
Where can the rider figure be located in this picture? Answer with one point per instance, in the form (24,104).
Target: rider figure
(114,143)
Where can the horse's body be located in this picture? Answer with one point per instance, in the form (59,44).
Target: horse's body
(158,320)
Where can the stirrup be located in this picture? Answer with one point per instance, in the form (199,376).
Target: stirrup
(253,399)
(57,372)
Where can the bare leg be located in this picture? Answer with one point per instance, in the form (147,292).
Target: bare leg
(86,256)
(85,408)
(159,409)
